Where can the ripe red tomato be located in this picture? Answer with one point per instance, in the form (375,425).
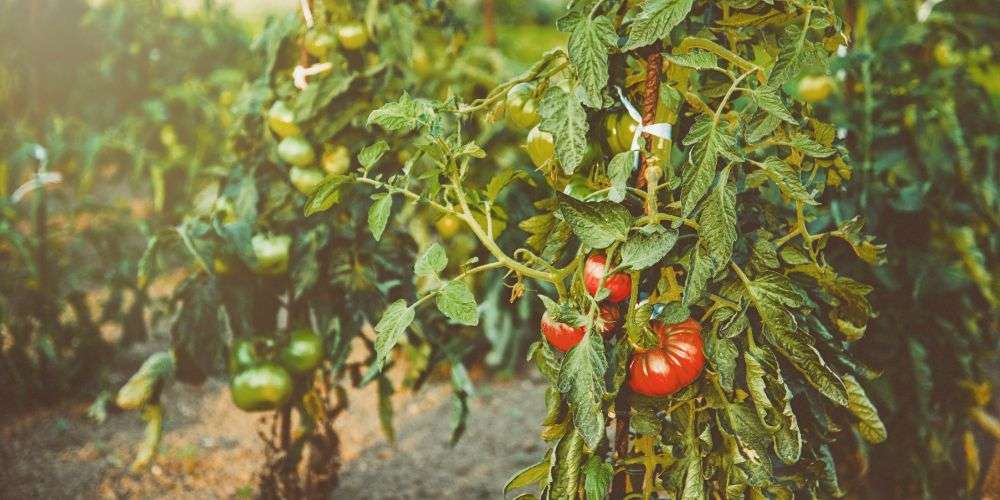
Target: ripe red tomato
(676,363)
(611,316)
(620,284)
(561,335)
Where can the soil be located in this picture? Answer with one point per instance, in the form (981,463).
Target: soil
(212,450)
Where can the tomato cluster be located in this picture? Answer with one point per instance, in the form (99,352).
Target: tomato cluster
(674,363)
(264,377)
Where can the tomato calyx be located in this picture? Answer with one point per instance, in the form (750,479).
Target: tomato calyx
(618,284)
(674,364)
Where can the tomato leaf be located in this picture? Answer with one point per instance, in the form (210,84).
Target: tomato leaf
(646,247)
(588,51)
(563,116)
(390,329)
(372,153)
(378,214)
(655,21)
(326,194)
(870,425)
(597,478)
(581,377)
(619,170)
(718,222)
(597,224)
(431,262)
(456,301)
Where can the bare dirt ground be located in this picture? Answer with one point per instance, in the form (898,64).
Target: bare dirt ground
(211,450)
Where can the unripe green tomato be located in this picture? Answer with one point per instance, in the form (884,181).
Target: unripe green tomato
(521,106)
(337,160)
(611,132)
(306,180)
(281,119)
(815,88)
(246,353)
(261,388)
(271,253)
(296,150)
(303,353)
(318,42)
(541,146)
(167,135)
(352,35)
(621,128)
(447,225)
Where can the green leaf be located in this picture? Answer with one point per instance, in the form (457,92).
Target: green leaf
(810,147)
(710,140)
(768,99)
(563,116)
(326,195)
(533,474)
(588,51)
(619,171)
(655,21)
(378,214)
(581,377)
(404,115)
(696,59)
(647,246)
(700,269)
(788,64)
(569,454)
(502,179)
(431,262)
(597,224)
(722,355)
(597,478)
(390,329)
(320,93)
(870,425)
(372,153)
(456,301)
(718,222)
(771,294)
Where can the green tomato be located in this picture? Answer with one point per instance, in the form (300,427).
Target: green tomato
(337,160)
(541,147)
(303,353)
(247,353)
(261,388)
(271,253)
(815,88)
(420,61)
(281,119)
(296,150)
(306,180)
(611,132)
(621,139)
(352,35)
(319,42)
(521,106)
(447,226)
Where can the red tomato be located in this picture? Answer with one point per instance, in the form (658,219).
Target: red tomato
(676,363)
(620,284)
(561,335)
(611,316)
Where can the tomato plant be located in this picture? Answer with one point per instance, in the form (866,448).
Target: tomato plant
(288,267)
(727,225)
